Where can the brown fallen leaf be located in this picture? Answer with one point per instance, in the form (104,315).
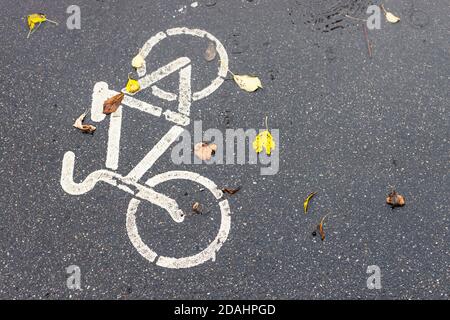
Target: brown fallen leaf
(395,200)
(204,150)
(196,207)
(210,52)
(86,128)
(112,104)
(320,229)
(231,191)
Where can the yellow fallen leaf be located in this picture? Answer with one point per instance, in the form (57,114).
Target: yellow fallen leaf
(390,17)
(264,140)
(132,85)
(247,83)
(36,18)
(137,62)
(306,202)
(87,128)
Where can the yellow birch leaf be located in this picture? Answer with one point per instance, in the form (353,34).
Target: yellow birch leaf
(132,86)
(264,140)
(35,18)
(247,83)
(306,202)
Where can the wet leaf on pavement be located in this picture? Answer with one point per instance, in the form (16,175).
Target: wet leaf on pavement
(264,140)
(306,202)
(395,200)
(247,83)
(320,228)
(36,19)
(137,62)
(113,103)
(204,150)
(132,85)
(390,17)
(86,128)
(231,191)
(196,207)
(210,52)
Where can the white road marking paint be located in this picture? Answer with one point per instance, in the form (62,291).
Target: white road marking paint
(206,254)
(184,97)
(130,183)
(125,188)
(99,95)
(222,54)
(177,118)
(115,179)
(154,154)
(133,234)
(141,105)
(161,73)
(163,94)
(115,126)
(148,46)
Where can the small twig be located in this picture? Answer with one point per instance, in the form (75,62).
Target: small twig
(354,18)
(51,21)
(369,44)
(267,126)
(33,30)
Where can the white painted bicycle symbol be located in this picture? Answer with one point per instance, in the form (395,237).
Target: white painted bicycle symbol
(180,118)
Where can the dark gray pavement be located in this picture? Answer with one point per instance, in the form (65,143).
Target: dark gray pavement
(350,128)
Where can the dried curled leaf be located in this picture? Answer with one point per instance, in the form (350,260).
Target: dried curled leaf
(86,128)
(112,104)
(132,86)
(306,202)
(137,62)
(231,191)
(196,207)
(204,150)
(395,200)
(320,228)
(247,83)
(390,17)
(210,52)
(264,140)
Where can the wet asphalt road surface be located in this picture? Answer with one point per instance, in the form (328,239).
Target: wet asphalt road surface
(351,128)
